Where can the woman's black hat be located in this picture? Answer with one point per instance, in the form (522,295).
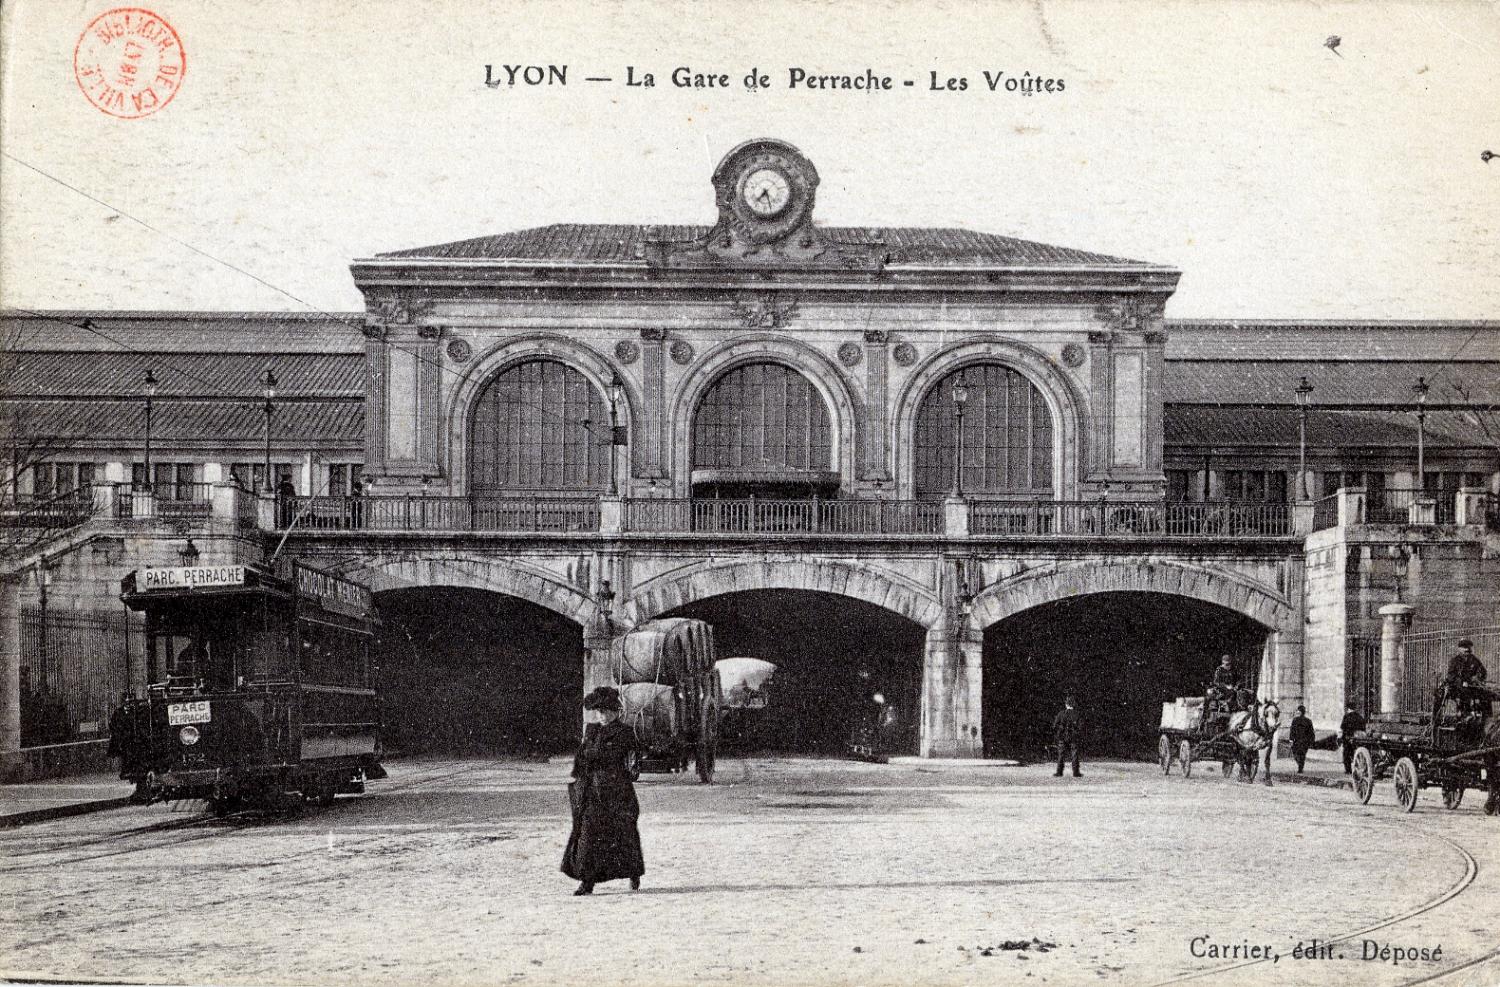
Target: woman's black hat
(603,698)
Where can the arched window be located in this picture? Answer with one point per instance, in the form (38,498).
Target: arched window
(539,426)
(1007,435)
(762,420)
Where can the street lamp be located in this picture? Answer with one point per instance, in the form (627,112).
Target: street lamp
(1420,390)
(960,398)
(1304,395)
(605,598)
(269,389)
(616,438)
(149,388)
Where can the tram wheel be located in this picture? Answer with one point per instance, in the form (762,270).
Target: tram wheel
(1185,755)
(223,806)
(1164,754)
(1364,774)
(1406,783)
(1453,796)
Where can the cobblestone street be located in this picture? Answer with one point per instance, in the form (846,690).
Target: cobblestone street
(786,872)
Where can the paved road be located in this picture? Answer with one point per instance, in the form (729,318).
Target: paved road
(787,872)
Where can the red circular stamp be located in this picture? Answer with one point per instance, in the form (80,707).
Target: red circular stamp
(129,62)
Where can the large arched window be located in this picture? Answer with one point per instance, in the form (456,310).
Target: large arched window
(762,422)
(539,426)
(1007,435)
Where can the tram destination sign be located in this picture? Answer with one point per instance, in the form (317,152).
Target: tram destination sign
(191,577)
(332,593)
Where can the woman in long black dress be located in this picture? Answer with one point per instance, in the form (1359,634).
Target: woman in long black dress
(605,844)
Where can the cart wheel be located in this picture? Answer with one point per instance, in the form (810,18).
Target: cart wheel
(1453,796)
(1227,767)
(1185,755)
(1364,774)
(708,743)
(1406,783)
(1164,754)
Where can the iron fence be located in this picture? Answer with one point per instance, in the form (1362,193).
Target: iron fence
(1428,653)
(755,515)
(1211,519)
(1389,506)
(184,499)
(53,511)
(436,513)
(1362,674)
(1326,512)
(73,673)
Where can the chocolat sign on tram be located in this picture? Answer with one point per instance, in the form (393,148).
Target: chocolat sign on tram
(332,593)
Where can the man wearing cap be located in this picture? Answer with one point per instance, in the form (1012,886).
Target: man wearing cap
(1351,724)
(1223,687)
(1065,729)
(1302,737)
(1465,672)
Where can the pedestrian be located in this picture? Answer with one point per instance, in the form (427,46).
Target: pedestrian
(1351,724)
(1466,679)
(1065,727)
(1302,736)
(605,844)
(286,502)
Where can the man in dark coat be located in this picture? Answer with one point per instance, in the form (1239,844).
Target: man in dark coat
(1302,737)
(1351,724)
(1466,672)
(1065,730)
(605,844)
(1223,687)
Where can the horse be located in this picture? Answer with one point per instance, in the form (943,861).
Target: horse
(1254,730)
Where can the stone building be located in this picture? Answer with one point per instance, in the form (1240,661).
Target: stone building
(975,470)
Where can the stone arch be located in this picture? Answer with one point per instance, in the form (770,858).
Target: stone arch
(1211,584)
(541,346)
(841,578)
(842,402)
(1066,405)
(511,578)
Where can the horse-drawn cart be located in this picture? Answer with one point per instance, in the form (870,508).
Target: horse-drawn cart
(672,694)
(1200,728)
(1453,751)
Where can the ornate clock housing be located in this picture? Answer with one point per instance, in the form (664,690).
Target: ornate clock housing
(765,190)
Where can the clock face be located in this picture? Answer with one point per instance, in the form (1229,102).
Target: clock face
(766,191)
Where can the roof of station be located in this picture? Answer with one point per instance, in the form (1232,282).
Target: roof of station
(626,244)
(1213,426)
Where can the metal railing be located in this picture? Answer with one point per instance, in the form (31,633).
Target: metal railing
(1428,653)
(184,499)
(1325,512)
(72,672)
(434,513)
(754,515)
(1107,518)
(49,511)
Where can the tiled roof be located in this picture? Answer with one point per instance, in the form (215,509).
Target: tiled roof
(1205,425)
(1334,383)
(624,244)
(193,421)
(64,373)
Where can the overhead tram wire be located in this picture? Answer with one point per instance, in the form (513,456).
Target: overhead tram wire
(588,427)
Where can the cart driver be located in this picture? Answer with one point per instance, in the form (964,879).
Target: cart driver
(1466,679)
(1223,688)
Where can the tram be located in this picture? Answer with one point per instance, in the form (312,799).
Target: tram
(261,688)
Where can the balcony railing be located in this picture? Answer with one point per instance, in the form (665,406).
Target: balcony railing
(435,513)
(1325,512)
(754,515)
(48,510)
(1129,518)
(184,500)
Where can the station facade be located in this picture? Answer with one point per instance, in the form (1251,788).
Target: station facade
(976,471)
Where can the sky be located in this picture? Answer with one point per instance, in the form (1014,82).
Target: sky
(1284,178)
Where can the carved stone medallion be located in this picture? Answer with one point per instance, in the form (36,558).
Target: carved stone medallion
(1073,355)
(682,352)
(905,354)
(849,354)
(627,352)
(459,350)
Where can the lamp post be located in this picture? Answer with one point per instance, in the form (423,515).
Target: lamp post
(960,398)
(1419,389)
(268,382)
(1304,395)
(616,387)
(149,388)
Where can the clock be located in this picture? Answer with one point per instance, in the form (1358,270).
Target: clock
(766,191)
